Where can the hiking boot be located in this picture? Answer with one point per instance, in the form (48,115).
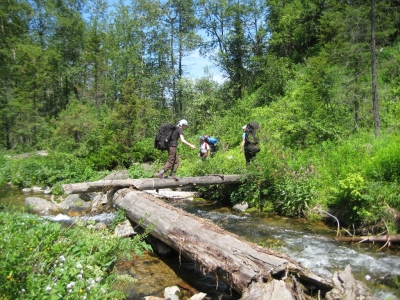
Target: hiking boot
(173,176)
(160,175)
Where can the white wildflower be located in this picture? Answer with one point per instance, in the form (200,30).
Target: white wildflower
(79,266)
(48,288)
(79,276)
(23,291)
(70,285)
(61,258)
(98,279)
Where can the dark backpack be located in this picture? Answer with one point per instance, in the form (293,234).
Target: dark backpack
(163,136)
(251,137)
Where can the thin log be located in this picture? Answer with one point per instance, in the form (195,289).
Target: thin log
(147,183)
(219,252)
(371,239)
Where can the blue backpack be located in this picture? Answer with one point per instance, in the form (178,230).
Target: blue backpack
(212,141)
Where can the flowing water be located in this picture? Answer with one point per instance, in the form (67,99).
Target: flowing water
(310,243)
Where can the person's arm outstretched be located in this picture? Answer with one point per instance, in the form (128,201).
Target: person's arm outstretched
(186,142)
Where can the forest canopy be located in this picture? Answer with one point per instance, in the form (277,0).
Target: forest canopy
(93,82)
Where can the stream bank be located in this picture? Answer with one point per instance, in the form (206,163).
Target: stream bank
(311,244)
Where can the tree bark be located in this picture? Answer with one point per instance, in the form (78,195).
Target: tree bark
(147,183)
(375,103)
(221,253)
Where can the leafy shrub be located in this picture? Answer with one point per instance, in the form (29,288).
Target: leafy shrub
(138,171)
(294,195)
(59,263)
(144,151)
(385,161)
(51,170)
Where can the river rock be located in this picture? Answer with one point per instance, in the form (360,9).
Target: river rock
(241,206)
(124,229)
(100,226)
(172,293)
(41,206)
(99,201)
(199,296)
(76,204)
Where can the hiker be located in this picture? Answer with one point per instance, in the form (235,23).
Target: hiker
(204,151)
(248,155)
(212,142)
(173,159)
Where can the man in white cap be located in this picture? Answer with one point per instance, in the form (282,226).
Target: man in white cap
(173,159)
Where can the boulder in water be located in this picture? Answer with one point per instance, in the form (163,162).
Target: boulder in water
(41,206)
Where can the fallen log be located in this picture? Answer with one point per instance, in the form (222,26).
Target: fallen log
(221,253)
(371,239)
(147,183)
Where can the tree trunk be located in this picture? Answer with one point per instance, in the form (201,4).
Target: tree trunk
(147,183)
(221,253)
(375,105)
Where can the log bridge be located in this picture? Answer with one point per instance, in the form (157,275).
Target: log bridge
(254,271)
(148,183)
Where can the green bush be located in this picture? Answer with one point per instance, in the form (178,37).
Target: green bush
(59,263)
(384,164)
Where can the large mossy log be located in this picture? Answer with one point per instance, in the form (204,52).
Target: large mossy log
(221,253)
(147,183)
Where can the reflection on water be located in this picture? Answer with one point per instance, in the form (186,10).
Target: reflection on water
(13,196)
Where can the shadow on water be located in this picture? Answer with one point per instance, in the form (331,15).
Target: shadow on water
(153,275)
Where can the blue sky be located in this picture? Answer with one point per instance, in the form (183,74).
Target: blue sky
(196,64)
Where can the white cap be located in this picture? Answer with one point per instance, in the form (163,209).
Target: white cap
(244,127)
(183,122)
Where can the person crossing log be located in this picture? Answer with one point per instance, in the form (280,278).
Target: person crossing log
(147,183)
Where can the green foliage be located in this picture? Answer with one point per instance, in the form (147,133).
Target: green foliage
(138,171)
(56,262)
(385,163)
(144,151)
(294,194)
(51,169)
(120,216)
